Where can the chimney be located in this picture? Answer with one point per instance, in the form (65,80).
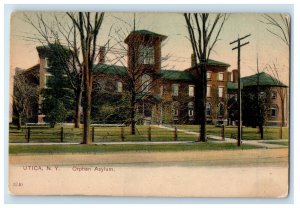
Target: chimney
(102,52)
(193,60)
(229,78)
(235,76)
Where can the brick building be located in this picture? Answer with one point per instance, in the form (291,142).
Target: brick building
(275,94)
(167,96)
(170,93)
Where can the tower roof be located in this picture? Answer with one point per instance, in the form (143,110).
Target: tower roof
(146,34)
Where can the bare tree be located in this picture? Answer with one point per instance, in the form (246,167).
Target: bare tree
(24,96)
(280,27)
(281,91)
(65,35)
(204,30)
(141,79)
(88,25)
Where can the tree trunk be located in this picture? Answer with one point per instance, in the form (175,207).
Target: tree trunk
(78,94)
(282,117)
(87,108)
(261,131)
(19,122)
(202,103)
(132,114)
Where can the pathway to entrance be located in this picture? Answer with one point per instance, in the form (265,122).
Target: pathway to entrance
(213,138)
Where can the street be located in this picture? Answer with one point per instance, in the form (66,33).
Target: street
(238,173)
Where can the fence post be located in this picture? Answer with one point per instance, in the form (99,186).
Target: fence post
(223,132)
(122,134)
(149,133)
(93,134)
(175,134)
(28,134)
(61,134)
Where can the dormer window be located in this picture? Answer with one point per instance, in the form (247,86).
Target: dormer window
(146,55)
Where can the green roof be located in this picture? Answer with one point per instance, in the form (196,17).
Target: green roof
(122,71)
(110,69)
(176,75)
(232,85)
(264,80)
(217,63)
(148,33)
(145,33)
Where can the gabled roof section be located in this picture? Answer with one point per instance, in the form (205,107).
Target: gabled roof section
(110,69)
(176,75)
(264,80)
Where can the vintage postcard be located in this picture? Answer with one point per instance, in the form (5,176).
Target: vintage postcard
(149,104)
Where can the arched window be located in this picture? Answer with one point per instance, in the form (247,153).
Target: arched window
(191,109)
(208,109)
(221,110)
(146,82)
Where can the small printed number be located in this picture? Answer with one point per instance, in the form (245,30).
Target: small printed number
(17,184)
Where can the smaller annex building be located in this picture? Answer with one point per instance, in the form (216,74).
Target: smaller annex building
(262,95)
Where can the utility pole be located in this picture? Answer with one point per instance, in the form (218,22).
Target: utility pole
(239,85)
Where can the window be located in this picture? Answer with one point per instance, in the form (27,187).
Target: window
(175,89)
(208,109)
(100,85)
(161,90)
(208,74)
(274,111)
(221,76)
(119,87)
(220,110)
(208,91)
(146,82)
(48,78)
(46,62)
(191,90)
(110,86)
(175,110)
(274,95)
(146,55)
(262,95)
(191,109)
(220,91)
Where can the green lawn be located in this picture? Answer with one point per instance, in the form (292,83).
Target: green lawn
(270,133)
(101,134)
(113,134)
(99,148)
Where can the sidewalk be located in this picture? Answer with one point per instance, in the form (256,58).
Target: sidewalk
(108,143)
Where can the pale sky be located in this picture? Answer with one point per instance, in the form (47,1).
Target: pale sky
(262,43)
